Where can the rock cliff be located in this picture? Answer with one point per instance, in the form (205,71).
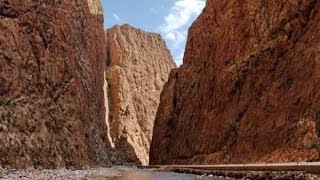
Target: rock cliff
(138,65)
(52,59)
(249,88)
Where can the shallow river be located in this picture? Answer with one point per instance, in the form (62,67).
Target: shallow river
(115,173)
(154,175)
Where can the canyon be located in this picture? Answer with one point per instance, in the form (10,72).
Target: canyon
(248,89)
(77,96)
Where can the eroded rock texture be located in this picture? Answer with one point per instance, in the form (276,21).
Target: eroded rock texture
(138,65)
(249,88)
(52,59)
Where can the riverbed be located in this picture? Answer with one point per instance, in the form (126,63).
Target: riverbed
(115,173)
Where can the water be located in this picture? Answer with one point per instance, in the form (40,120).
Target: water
(137,174)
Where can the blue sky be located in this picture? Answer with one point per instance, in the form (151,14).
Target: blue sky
(170,18)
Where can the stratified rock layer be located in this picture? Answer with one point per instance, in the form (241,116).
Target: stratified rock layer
(138,65)
(249,88)
(52,59)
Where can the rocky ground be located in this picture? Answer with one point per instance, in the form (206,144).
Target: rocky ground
(115,173)
(132,173)
(58,174)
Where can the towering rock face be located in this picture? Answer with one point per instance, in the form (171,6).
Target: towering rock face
(138,65)
(249,88)
(52,59)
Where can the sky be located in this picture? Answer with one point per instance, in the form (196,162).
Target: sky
(170,18)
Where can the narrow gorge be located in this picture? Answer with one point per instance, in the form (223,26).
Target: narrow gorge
(76,96)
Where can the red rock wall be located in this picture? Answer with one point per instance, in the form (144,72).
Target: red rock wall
(138,65)
(249,88)
(52,59)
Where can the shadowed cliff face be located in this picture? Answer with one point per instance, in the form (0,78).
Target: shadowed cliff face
(52,59)
(138,65)
(248,90)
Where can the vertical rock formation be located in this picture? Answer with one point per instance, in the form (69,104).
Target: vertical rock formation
(249,88)
(138,65)
(52,58)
